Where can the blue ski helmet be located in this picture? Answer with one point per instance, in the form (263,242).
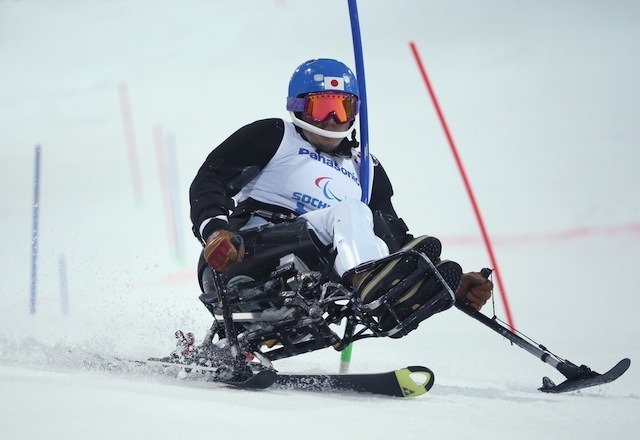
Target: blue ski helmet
(310,77)
(320,75)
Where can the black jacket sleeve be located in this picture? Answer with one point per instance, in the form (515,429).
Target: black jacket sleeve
(210,194)
(382,191)
(387,224)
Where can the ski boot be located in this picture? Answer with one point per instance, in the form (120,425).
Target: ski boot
(397,293)
(425,299)
(372,284)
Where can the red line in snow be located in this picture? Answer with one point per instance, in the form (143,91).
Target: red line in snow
(545,237)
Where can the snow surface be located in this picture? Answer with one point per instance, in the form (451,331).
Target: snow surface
(542,98)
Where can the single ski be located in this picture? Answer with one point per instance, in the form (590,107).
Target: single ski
(585,378)
(405,382)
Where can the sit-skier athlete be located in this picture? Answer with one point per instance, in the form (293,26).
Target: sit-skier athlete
(277,187)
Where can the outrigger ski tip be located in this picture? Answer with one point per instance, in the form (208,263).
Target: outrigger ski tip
(583,377)
(578,377)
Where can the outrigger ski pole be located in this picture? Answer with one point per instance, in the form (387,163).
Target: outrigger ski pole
(578,377)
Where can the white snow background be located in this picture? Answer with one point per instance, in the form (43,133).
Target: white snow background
(542,99)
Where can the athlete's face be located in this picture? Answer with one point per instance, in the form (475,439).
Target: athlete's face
(324,143)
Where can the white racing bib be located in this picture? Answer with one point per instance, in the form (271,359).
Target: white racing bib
(303,179)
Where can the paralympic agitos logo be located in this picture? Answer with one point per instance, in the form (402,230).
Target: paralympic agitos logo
(306,200)
(323,184)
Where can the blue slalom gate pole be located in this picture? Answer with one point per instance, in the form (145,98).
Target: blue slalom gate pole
(345,358)
(34,237)
(364,129)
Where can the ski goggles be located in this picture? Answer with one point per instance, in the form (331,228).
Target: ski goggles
(319,106)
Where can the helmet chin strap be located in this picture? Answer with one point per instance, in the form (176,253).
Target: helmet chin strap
(319,131)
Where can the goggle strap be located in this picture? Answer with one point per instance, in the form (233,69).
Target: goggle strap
(298,104)
(295,104)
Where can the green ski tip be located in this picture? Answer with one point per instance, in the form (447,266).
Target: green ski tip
(414,381)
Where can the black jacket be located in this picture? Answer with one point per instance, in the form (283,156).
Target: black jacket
(221,177)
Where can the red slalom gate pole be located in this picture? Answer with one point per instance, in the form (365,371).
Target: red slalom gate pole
(130,140)
(467,185)
(163,172)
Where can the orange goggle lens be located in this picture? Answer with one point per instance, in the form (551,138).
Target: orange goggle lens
(320,106)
